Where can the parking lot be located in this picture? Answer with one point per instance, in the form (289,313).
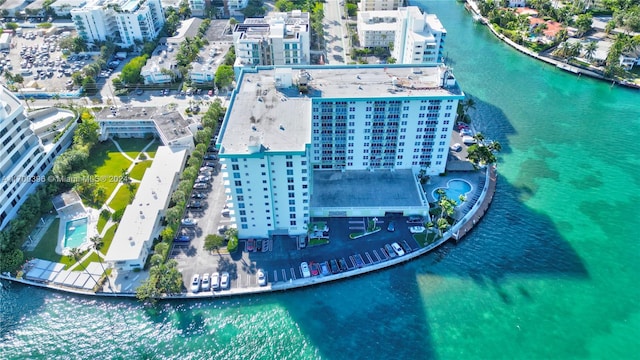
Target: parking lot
(41,63)
(280,257)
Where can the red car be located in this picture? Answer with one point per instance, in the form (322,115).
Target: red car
(315,269)
(251,245)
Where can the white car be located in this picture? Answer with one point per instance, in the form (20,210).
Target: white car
(416,229)
(195,283)
(456,147)
(262,278)
(215,281)
(468,140)
(224,280)
(189,222)
(396,247)
(304,268)
(206,282)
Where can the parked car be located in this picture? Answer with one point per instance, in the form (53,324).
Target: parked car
(212,165)
(251,245)
(215,281)
(203,179)
(342,263)
(456,147)
(262,278)
(333,264)
(390,251)
(195,204)
(222,229)
(314,268)
(210,157)
(197,195)
(324,268)
(466,132)
(225,212)
(182,238)
(210,93)
(304,269)
(206,168)
(468,140)
(195,283)
(391,226)
(200,186)
(189,222)
(206,282)
(224,280)
(398,250)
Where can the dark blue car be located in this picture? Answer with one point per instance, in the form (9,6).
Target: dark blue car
(182,238)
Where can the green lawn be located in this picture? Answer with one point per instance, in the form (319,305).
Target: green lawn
(132,146)
(102,221)
(139,169)
(46,248)
(108,238)
(151,150)
(425,238)
(318,241)
(91,258)
(106,164)
(122,197)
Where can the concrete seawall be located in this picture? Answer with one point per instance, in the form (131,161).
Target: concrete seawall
(460,229)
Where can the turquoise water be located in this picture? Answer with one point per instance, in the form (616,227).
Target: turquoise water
(75,232)
(454,189)
(551,272)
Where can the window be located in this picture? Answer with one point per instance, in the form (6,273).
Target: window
(238,183)
(289,163)
(289,172)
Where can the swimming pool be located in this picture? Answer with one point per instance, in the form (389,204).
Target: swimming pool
(454,189)
(75,232)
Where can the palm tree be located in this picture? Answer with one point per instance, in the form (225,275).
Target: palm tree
(96,244)
(590,50)
(76,254)
(479,138)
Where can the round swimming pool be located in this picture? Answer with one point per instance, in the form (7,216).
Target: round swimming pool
(454,189)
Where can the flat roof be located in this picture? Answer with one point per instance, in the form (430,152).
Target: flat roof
(363,188)
(12,4)
(168,121)
(188,29)
(279,118)
(140,218)
(74,3)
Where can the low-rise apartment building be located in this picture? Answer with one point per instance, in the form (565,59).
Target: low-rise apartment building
(277,39)
(413,36)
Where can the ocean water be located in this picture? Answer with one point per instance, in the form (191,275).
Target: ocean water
(551,272)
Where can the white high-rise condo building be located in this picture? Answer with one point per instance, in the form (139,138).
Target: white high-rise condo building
(277,39)
(25,159)
(333,141)
(414,37)
(197,7)
(121,21)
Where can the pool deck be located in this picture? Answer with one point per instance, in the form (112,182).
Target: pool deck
(468,215)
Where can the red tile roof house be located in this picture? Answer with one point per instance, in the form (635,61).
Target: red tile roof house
(550,32)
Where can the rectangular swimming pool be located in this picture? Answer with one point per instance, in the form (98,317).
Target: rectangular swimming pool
(75,232)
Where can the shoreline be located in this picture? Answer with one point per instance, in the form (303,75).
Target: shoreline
(455,233)
(472,7)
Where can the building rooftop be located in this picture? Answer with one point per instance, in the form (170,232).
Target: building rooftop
(35,5)
(279,117)
(362,188)
(167,120)
(140,218)
(188,29)
(12,4)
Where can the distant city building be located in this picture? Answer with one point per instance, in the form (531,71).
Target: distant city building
(235,5)
(28,151)
(293,136)
(13,7)
(414,37)
(277,39)
(122,21)
(63,7)
(378,5)
(142,220)
(197,7)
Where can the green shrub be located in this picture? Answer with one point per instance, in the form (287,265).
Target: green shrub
(232,245)
(117,216)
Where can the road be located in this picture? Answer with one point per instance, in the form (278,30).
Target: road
(334,33)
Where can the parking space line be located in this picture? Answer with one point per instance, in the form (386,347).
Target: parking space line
(353,261)
(376,255)
(293,274)
(369,257)
(284,275)
(384,253)
(275,276)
